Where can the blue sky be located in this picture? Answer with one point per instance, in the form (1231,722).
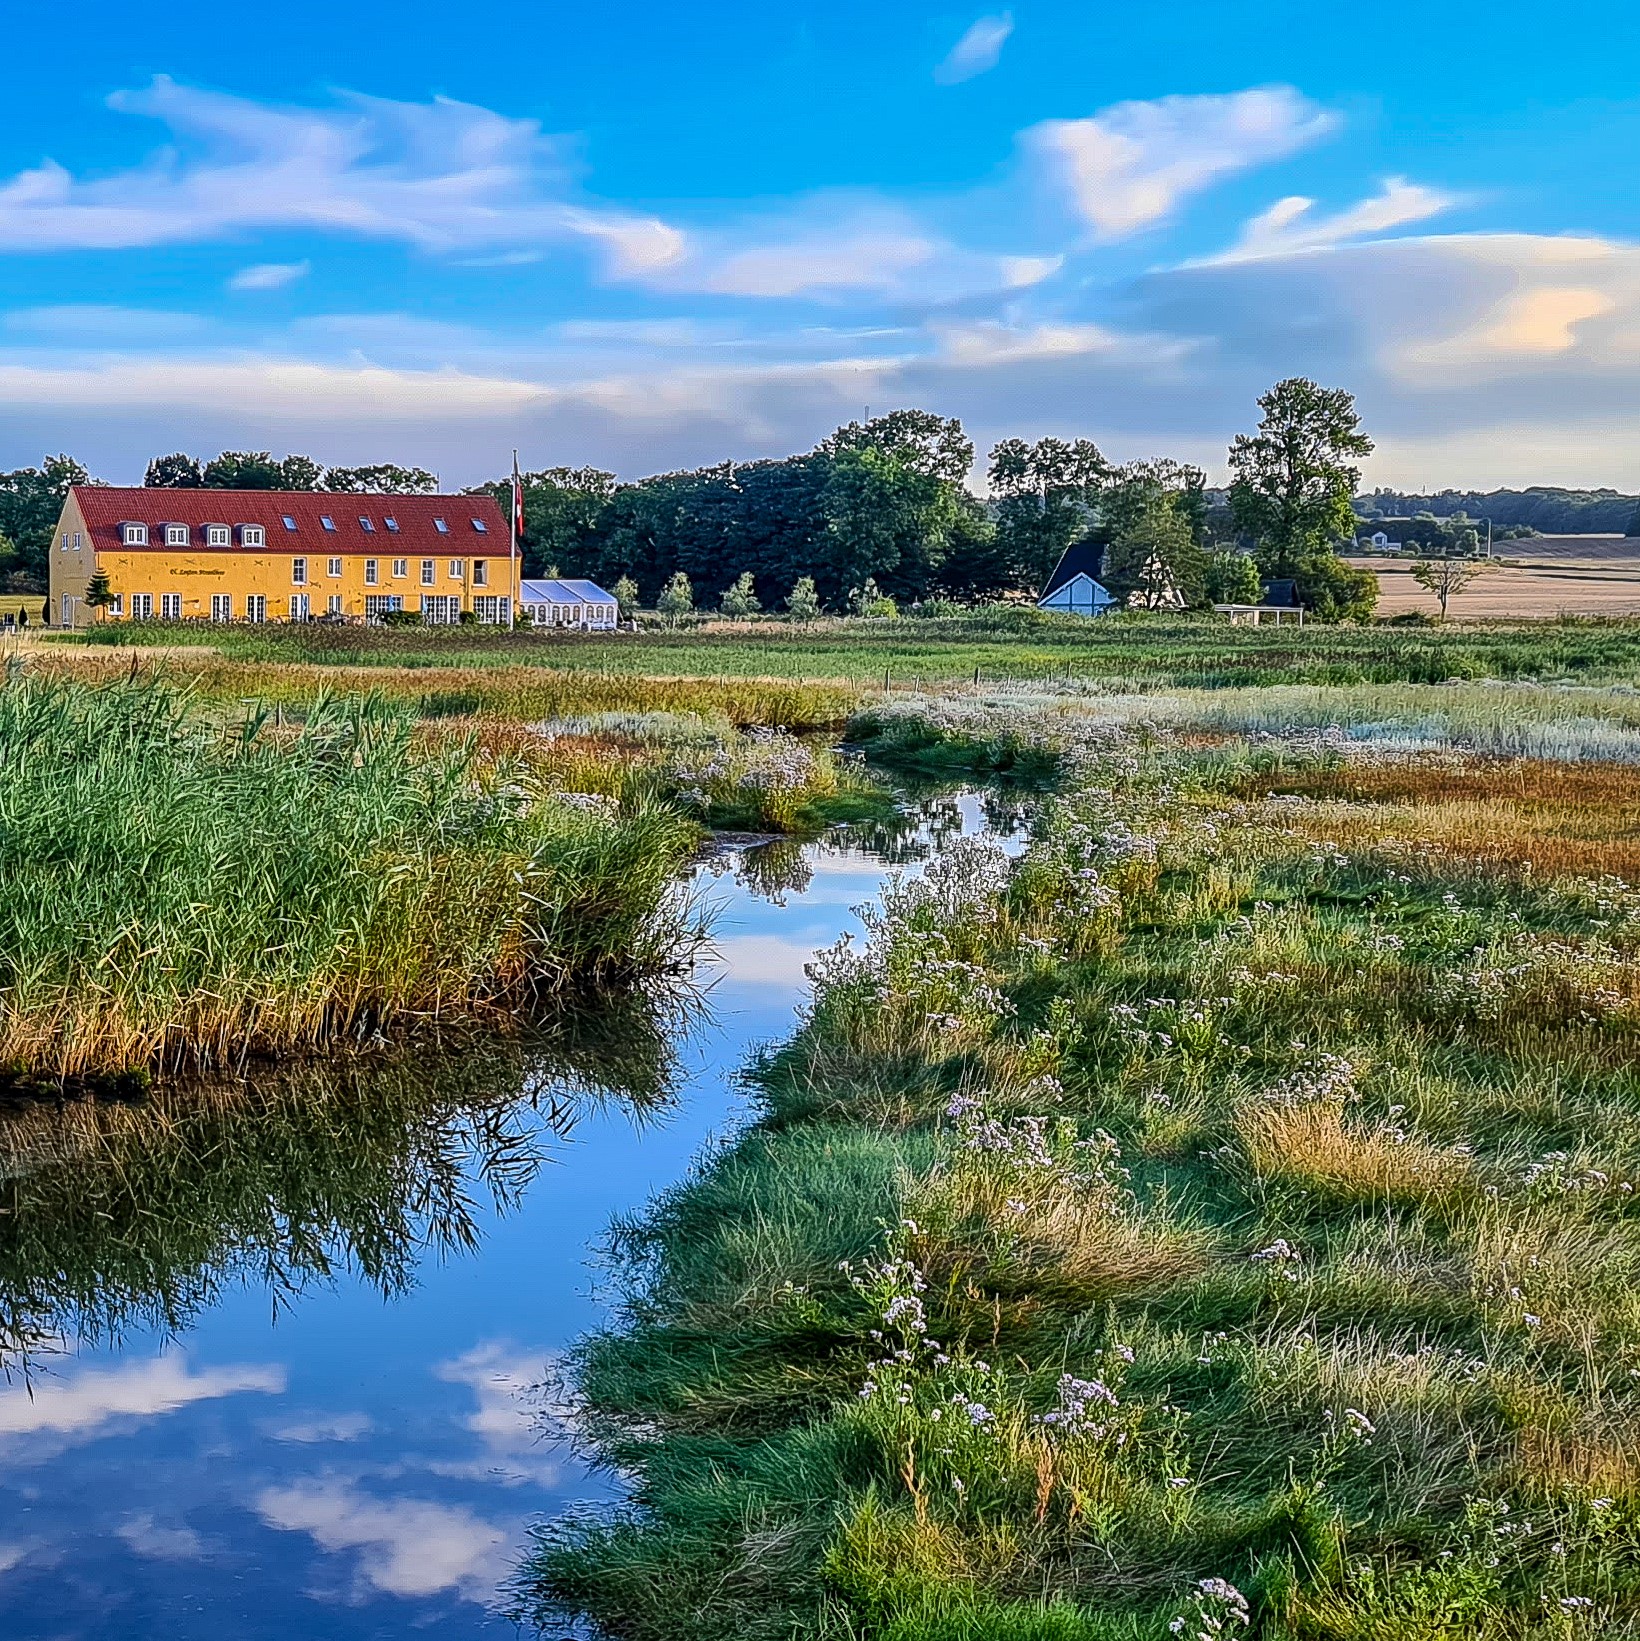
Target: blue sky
(650,236)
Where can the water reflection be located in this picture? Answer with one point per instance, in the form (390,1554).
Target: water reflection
(117,1216)
(299,1316)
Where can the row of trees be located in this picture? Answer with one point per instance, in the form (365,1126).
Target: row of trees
(884,504)
(1546,508)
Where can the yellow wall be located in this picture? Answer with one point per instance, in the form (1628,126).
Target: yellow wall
(195,575)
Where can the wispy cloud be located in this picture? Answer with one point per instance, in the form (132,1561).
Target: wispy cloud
(444,176)
(80,1405)
(269,276)
(157,1542)
(407,1547)
(1292,224)
(978,51)
(1133,165)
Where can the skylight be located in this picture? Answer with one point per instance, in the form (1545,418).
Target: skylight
(392,524)
(290,523)
(365,524)
(442,528)
(480,526)
(326,520)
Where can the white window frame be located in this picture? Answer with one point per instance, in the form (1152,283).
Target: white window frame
(218,535)
(440,609)
(429,572)
(142,606)
(372,572)
(133,535)
(170,606)
(299,607)
(116,604)
(333,605)
(256,607)
(176,535)
(79,541)
(333,568)
(65,541)
(481,573)
(491,609)
(401,568)
(457,573)
(252,535)
(298,572)
(222,606)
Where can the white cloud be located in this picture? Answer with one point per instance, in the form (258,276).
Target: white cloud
(1291,225)
(96,324)
(991,342)
(407,1547)
(764,960)
(444,176)
(157,1542)
(1131,166)
(337,1427)
(81,1405)
(269,276)
(978,51)
(503,1379)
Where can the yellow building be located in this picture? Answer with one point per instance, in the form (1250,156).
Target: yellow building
(279,555)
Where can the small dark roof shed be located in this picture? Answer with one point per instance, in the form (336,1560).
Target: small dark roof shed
(1080,558)
(1279,595)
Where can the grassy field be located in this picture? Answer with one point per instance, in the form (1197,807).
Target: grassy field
(1219,1221)
(1137,651)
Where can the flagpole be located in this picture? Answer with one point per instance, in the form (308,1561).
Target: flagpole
(512,555)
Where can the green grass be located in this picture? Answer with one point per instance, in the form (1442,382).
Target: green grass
(1142,650)
(1189,1201)
(178,893)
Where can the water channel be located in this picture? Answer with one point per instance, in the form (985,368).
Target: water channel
(281,1341)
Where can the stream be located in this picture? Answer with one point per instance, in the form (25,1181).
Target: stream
(270,1355)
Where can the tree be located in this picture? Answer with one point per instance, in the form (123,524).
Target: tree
(739,598)
(382,479)
(1291,489)
(677,599)
(803,603)
(1292,483)
(1152,562)
(933,447)
(626,597)
(1045,501)
(1447,576)
(1233,578)
(870,601)
(31,502)
(98,594)
(178,471)
(258,470)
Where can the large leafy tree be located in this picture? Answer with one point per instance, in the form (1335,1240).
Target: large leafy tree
(1046,499)
(1291,489)
(564,511)
(178,471)
(260,470)
(933,446)
(1151,517)
(381,479)
(31,501)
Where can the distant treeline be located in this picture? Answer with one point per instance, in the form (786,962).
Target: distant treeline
(1547,508)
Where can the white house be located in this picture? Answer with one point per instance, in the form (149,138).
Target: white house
(1074,587)
(1378,542)
(565,602)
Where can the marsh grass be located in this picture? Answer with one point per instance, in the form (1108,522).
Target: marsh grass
(1236,1223)
(178,893)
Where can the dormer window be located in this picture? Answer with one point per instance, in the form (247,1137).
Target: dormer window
(326,520)
(365,524)
(176,535)
(290,523)
(217,535)
(480,526)
(134,535)
(442,528)
(392,524)
(252,535)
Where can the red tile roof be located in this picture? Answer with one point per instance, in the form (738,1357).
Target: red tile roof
(106,507)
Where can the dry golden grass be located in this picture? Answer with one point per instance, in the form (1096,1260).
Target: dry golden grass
(1310,1146)
(1595,1463)
(1551,819)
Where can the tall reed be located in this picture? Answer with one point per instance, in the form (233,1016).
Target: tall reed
(180,893)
